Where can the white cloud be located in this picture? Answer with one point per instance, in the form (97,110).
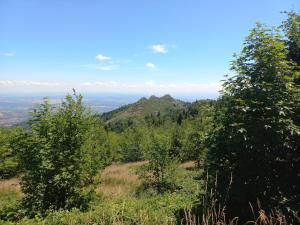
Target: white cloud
(23,83)
(149,86)
(161,49)
(101,67)
(9,54)
(150,66)
(107,84)
(101,57)
(106,68)
(105,63)
(153,87)
(150,83)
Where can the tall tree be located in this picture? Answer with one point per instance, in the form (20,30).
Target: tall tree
(253,140)
(291,28)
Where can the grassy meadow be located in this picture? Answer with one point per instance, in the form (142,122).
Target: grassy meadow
(119,199)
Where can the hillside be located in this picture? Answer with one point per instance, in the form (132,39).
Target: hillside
(120,199)
(145,107)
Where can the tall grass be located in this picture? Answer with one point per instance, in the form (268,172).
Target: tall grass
(118,205)
(210,211)
(216,217)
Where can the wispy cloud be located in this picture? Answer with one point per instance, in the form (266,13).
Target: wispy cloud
(24,83)
(150,83)
(101,67)
(149,86)
(153,87)
(150,65)
(106,63)
(159,49)
(107,68)
(101,57)
(8,54)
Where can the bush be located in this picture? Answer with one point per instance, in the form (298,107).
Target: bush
(160,170)
(8,161)
(51,158)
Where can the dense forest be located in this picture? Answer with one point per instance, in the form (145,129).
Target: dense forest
(164,161)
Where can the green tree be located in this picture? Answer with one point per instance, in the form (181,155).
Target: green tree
(96,150)
(198,125)
(253,139)
(8,161)
(291,28)
(193,146)
(176,144)
(159,172)
(131,145)
(51,158)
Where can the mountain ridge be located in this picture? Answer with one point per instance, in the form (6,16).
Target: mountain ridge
(145,106)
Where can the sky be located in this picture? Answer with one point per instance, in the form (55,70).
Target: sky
(126,46)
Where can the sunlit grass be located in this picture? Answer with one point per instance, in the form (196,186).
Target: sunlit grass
(117,202)
(9,192)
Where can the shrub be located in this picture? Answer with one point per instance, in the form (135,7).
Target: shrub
(51,158)
(160,170)
(8,161)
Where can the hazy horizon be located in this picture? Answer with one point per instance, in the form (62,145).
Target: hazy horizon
(15,107)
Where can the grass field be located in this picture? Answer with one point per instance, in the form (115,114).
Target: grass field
(119,199)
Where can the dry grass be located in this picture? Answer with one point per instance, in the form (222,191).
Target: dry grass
(116,179)
(10,192)
(218,217)
(13,183)
(187,165)
(273,218)
(119,179)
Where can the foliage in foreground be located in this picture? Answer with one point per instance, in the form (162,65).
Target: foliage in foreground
(126,207)
(8,161)
(255,140)
(51,159)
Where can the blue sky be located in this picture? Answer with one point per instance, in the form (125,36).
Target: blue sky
(153,46)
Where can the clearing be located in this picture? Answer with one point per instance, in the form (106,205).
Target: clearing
(120,200)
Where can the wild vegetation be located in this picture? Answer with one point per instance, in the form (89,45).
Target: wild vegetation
(235,160)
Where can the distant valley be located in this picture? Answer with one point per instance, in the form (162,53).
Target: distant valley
(15,108)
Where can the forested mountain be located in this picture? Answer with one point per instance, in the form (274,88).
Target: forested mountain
(144,107)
